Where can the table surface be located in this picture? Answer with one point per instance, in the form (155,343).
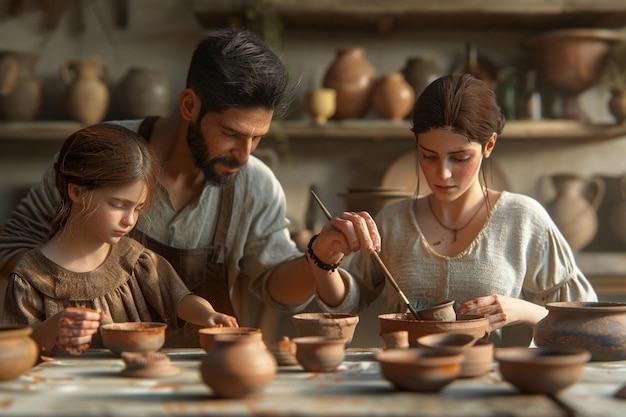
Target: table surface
(91,385)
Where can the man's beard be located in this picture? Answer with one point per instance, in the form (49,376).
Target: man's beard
(200,152)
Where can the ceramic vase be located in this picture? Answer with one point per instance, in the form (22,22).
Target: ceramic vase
(393,97)
(574,208)
(617,104)
(352,76)
(419,72)
(144,92)
(86,93)
(24,98)
(18,351)
(321,104)
(9,68)
(238,366)
(597,327)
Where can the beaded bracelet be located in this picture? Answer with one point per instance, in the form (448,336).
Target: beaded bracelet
(320,264)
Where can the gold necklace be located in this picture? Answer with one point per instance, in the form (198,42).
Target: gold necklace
(455,230)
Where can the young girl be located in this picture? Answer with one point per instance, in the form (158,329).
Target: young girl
(90,272)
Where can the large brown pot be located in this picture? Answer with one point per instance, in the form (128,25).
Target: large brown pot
(352,76)
(86,93)
(393,96)
(23,96)
(18,351)
(598,327)
(238,366)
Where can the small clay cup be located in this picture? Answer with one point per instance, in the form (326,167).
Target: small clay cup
(541,370)
(133,336)
(320,353)
(440,312)
(207,335)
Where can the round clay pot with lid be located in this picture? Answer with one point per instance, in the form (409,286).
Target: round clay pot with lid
(18,351)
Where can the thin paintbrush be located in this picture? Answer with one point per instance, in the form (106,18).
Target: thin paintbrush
(379,261)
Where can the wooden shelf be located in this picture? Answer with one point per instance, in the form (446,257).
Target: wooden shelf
(385,15)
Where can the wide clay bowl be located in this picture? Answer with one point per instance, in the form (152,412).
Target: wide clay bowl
(473,325)
(133,336)
(18,351)
(207,334)
(419,369)
(541,370)
(320,353)
(599,327)
(326,324)
(442,312)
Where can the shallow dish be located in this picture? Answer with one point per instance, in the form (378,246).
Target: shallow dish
(541,370)
(326,324)
(133,336)
(419,369)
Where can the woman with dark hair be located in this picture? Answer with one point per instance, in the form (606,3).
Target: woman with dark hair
(495,253)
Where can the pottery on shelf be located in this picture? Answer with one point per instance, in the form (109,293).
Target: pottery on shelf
(419,72)
(22,96)
(320,353)
(353,77)
(599,327)
(321,104)
(18,351)
(617,213)
(393,97)
(207,335)
(144,92)
(238,367)
(133,336)
(86,91)
(541,370)
(419,369)
(326,324)
(574,207)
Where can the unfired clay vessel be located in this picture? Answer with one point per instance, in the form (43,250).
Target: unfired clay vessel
(320,353)
(207,335)
(18,351)
(326,324)
(133,336)
(443,311)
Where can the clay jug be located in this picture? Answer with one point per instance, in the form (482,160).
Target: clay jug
(86,93)
(18,351)
(574,208)
(393,97)
(352,76)
(9,68)
(144,92)
(238,366)
(24,96)
(420,72)
(598,327)
(617,216)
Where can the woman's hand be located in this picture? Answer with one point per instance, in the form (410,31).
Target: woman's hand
(220,319)
(502,310)
(76,326)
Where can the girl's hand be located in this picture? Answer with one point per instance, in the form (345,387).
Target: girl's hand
(76,327)
(502,310)
(220,319)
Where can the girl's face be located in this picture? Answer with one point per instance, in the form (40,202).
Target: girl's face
(112,211)
(450,162)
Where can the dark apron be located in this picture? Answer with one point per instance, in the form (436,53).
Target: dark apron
(203,269)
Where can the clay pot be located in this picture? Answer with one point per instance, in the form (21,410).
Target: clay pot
(18,351)
(419,72)
(393,97)
(144,92)
(473,325)
(451,341)
(86,92)
(9,68)
(207,335)
(284,352)
(352,76)
(574,208)
(321,103)
(148,365)
(320,353)
(441,312)
(326,324)
(541,371)
(477,354)
(23,96)
(238,367)
(597,327)
(418,369)
(617,104)
(133,336)
(396,340)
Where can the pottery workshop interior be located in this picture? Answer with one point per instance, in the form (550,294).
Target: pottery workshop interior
(557,69)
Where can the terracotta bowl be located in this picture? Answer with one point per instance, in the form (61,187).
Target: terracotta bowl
(541,370)
(441,312)
(419,369)
(207,334)
(473,325)
(133,336)
(284,351)
(320,353)
(477,354)
(326,324)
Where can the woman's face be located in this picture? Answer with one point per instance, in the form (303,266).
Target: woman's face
(450,162)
